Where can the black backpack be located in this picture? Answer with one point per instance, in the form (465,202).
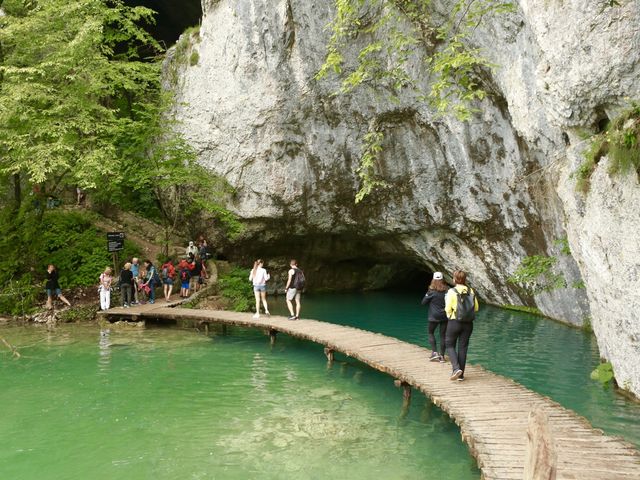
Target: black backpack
(298,281)
(466,308)
(184,274)
(165,273)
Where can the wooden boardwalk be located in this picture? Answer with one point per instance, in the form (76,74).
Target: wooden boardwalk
(492,411)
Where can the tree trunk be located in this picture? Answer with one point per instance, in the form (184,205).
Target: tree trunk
(17,190)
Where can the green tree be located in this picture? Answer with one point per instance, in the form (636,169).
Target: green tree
(72,78)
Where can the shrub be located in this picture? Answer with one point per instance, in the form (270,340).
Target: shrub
(236,288)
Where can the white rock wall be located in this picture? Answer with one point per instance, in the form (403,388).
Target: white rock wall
(479,196)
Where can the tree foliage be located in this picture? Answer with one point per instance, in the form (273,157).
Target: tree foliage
(391,38)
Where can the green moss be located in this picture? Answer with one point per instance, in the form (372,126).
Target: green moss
(522,308)
(620,142)
(85,313)
(194,58)
(535,275)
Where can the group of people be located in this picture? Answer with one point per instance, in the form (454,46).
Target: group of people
(452,311)
(294,287)
(138,282)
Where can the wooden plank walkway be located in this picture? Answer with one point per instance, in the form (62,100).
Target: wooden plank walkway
(492,411)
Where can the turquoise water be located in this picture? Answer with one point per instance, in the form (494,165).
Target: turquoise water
(544,355)
(175,404)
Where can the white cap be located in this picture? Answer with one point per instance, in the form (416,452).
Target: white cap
(437,276)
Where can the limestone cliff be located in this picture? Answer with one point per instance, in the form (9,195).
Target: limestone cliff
(480,195)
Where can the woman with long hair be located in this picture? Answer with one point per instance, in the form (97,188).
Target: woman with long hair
(461,306)
(259,277)
(437,317)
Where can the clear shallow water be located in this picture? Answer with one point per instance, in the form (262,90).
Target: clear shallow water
(544,355)
(172,404)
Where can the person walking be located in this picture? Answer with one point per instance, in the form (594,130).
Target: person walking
(152,279)
(461,306)
(259,276)
(53,287)
(106,279)
(293,289)
(196,271)
(168,275)
(126,285)
(184,268)
(135,271)
(434,298)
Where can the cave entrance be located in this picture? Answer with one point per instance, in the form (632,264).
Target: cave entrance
(172,19)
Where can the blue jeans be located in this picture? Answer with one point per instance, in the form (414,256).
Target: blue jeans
(152,293)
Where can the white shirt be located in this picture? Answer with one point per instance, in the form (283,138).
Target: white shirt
(260,278)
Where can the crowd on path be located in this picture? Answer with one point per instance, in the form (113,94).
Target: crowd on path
(452,310)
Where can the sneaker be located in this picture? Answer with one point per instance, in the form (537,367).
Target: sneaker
(152,301)
(267,313)
(256,315)
(441,359)
(456,374)
(292,317)
(461,378)
(434,357)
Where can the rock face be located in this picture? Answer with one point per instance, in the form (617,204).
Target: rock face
(480,196)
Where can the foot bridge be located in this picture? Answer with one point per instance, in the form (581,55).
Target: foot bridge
(513,432)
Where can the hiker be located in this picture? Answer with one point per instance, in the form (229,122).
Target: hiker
(461,306)
(196,271)
(168,273)
(192,250)
(53,287)
(184,269)
(434,298)
(152,279)
(106,279)
(126,284)
(293,289)
(135,271)
(204,250)
(259,277)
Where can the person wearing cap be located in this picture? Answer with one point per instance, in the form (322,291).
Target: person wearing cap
(192,250)
(434,298)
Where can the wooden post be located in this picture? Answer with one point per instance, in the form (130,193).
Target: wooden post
(406,392)
(329,354)
(206,329)
(541,459)
(224,329)
(272,336)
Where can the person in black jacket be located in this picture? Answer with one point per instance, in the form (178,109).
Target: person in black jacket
(437,317)
(53,287)
(126,285)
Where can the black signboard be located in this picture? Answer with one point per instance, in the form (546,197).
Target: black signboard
(115,241)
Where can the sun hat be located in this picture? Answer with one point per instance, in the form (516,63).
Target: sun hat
(437,276)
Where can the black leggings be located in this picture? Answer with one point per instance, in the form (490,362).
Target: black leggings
(432,337)
(458,332)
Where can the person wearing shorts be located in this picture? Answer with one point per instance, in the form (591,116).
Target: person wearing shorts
(292,292)
(259,278)
(53,287)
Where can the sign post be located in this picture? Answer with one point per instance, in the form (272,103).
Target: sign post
(115,243)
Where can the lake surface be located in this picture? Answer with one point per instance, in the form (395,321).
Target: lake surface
(546,356)
(174,404)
